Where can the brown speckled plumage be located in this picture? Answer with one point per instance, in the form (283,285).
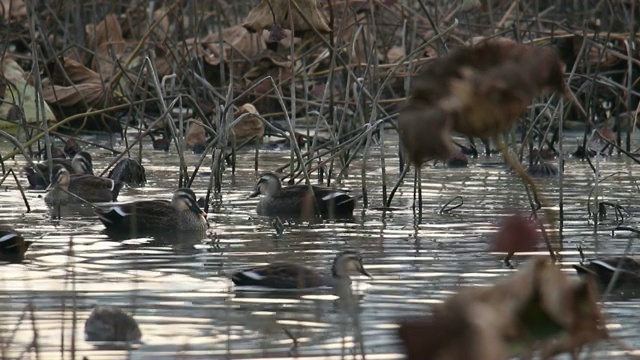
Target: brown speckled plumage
(298,202)
(90,188)
(294,276)
(182,213)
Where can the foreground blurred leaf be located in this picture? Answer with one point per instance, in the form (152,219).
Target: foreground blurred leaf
(538,307)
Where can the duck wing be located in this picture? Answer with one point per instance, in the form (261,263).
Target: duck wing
(94,188)
(150,215)
(280,276)
(297,201)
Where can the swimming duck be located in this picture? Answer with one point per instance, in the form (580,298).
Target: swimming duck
(109,323)
(80,164)
(182,213)
(542,170)
(603,269)
(90,188)
(296,201)
(294,276)
(12,245)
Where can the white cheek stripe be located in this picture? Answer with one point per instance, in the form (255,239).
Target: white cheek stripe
(605,265)
(120,211)
(333,195)
(8,236)
(252,275)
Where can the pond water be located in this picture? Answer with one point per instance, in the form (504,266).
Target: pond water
(179,289)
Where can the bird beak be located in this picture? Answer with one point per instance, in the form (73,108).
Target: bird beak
(196,209)
(364,272)
(255,193)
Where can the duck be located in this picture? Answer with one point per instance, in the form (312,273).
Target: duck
(295,276)
(296,201)
(542,170)
(81,163)
(89,187)
(181,213)
(603,269)
(110,323)
(128,171)
(12,245)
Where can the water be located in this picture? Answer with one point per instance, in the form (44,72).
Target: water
(181,295)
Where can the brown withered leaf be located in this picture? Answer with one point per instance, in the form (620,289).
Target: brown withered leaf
(237,43)
(87,86)
(249,126)
(271,64)
(454,335)
(196,136)
(18,95)
(13,9)
(261,17)
(538,306)
(110,46)
(107,31)
(484,89)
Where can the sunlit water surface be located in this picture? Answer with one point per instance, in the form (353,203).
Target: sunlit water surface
(179,289)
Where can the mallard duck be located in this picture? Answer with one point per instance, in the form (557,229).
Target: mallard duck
(128,171)
(90,188)
(80,164)
(294,276)
(109,323)
(182,213)
(296,201)
(12,245)
(602,270)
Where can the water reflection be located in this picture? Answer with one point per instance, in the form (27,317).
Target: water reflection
(178,286)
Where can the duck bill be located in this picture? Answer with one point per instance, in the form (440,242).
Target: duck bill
(364,272)
(196,209)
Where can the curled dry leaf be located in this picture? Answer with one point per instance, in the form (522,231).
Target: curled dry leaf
(271,64)
(13,9)
(237,43)
(86,86)
(18,96)
(261,17)
(482,90)
(250,126)
(538,306)
(109,44)
(196,136)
